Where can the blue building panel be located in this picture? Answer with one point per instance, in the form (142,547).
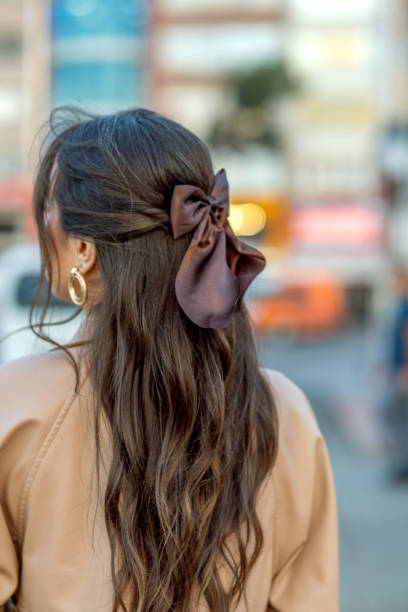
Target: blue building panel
(115,76)
(88,82)
(71,18)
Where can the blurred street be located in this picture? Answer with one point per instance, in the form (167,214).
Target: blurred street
(339,376)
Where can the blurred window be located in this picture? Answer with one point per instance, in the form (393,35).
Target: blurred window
(181,46)
(7,226)
(26,288)
(10,46)
(10,105)
(201,6)
(321,11)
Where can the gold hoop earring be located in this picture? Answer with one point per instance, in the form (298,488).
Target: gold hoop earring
(75,275)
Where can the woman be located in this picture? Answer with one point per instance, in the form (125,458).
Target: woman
(141,468)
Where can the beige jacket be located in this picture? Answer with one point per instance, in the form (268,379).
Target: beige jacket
(54,553)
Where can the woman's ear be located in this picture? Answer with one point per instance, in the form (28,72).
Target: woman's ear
(85,255)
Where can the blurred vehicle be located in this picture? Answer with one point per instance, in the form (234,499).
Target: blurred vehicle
(306,306)
(19,275)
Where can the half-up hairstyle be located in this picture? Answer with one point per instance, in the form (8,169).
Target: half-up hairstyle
(191,418)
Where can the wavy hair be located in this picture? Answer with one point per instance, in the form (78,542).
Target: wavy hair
(191,418)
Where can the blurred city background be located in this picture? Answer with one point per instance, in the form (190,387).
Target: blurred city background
(305,103)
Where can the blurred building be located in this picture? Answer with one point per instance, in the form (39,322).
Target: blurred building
(53,52)
(195,45)
(99,58)
(338,221)
(393,140)
(392,75)
(24,76)
(194,48)
(11,96)
(314,206)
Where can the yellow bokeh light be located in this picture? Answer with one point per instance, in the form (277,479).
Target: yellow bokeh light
(235,217)
(247,219)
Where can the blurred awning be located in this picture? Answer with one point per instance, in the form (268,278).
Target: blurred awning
(331,227)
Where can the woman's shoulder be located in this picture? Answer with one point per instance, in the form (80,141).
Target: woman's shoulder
(33,391)
(26,383)
(302,478)
(294,410)
(300,439)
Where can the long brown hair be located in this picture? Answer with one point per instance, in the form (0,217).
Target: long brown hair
(193,422)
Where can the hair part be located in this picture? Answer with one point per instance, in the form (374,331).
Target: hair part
(192,421)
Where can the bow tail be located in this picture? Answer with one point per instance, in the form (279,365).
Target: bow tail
(245,261)
(206,288)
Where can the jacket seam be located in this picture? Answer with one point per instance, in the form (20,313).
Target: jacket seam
(275,484)
(275,522)
(276,493)
(48,440)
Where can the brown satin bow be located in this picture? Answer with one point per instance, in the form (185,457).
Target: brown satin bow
(217,267)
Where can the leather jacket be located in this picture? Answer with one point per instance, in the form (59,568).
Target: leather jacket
(54,551)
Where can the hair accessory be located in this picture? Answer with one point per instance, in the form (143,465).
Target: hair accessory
(217,267)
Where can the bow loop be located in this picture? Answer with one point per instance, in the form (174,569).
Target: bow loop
(188,208)
(217,268)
